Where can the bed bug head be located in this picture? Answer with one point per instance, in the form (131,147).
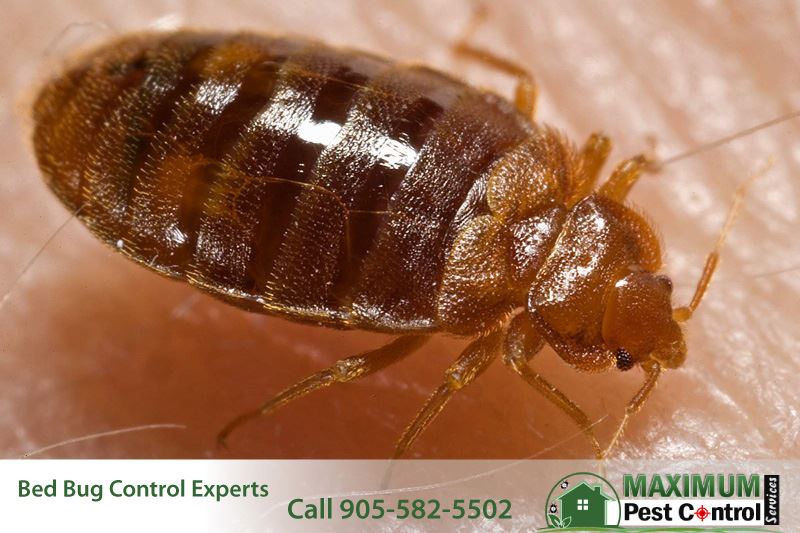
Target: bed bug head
(638,324)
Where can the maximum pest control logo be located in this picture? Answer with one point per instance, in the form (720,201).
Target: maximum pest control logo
(587,500)
(583,499)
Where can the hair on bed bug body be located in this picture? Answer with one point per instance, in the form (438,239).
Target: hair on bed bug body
(335,187)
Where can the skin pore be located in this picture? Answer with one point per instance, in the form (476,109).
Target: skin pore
(92,342)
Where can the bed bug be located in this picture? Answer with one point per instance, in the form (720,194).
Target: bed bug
(338,188)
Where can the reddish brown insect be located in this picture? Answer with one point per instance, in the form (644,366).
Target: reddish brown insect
(339,188)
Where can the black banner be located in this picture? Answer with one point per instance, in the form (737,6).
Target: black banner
(772,501)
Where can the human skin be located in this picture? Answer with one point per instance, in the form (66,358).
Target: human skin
(92,342)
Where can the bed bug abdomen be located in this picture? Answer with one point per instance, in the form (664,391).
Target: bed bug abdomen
(280,174)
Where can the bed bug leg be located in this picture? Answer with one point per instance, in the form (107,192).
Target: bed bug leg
(624,177)
(592,158)
(521,344)
(652,371)
(526,92)
(344,370)
(470,364)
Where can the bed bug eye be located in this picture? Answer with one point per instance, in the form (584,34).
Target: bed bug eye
(624,359)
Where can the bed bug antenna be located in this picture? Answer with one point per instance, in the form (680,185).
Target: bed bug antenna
(656,164)
(684,313)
